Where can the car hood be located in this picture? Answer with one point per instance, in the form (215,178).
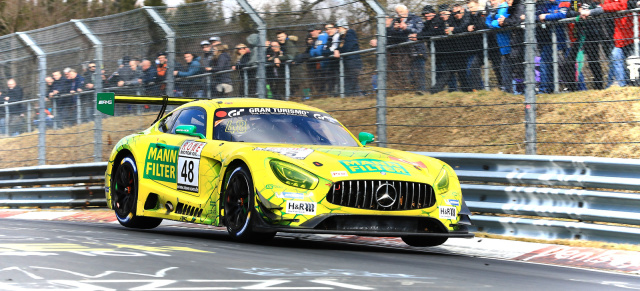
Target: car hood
(356,163)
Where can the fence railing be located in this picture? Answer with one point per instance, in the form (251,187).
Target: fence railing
(543,197)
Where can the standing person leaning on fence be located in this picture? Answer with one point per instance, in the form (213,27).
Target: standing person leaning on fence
(314,68)
(220,61)
(499,9)
(275,70)
(352,64)
(516,17)
(544,37)
(289,46)
(398,31)
(474,61)
(161,71)
(242,60)
(623,34)
(190,87)
(17,120)
(447,54)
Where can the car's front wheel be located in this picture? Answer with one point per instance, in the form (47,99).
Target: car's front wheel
(417,241)
(124,196)
(239,215)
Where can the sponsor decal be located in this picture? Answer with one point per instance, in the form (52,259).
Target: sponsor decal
(284,111)
(339,174)
(234,126)
(290,195)
(418,165)
(317,164)
(301,207)
(324,118)
(453,202)
(235,112)
(103,102)
(189,165)
(221,113)
(272,186)
(372,165)
(447,212)
(160,163)
(295,153)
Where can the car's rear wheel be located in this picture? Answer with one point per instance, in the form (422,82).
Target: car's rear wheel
(417,241)
(124,196)
(238,207)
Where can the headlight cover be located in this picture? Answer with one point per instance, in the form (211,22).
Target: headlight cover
(442,182)
(293,175)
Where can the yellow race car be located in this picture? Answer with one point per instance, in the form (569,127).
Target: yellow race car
(260,166)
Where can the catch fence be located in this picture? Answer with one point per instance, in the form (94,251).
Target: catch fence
(500,72)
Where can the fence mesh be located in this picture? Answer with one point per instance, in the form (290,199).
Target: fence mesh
(455,73)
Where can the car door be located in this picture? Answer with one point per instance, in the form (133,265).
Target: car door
(173,160)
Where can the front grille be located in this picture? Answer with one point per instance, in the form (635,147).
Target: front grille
(367,194)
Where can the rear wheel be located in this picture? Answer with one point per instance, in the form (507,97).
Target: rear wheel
(417,241)
(124,196)
(238,207)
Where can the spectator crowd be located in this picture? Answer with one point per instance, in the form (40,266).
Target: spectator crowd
(293,69)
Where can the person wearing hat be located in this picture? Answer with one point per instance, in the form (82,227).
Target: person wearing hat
(316,46)
(206,49)
(352,63)
(447,54)
(398,31)
(500,10)
(215,40)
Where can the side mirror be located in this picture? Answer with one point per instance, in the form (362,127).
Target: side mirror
(365,138)
(189,130)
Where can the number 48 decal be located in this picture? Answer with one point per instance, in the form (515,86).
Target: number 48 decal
(189,165)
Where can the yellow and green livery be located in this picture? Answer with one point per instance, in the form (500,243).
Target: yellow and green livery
(260,166)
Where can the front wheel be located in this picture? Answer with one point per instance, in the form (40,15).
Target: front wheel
(124,196)
(416,241)
(239,215)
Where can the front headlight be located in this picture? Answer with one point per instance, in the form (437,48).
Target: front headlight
(293,175)
(442,182)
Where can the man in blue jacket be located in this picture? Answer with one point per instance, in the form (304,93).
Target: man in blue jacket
(353,63)
(320,40)
(497,14)
(548,10)
(193,86)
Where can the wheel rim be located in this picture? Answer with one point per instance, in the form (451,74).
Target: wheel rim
(124,190)
(237,202)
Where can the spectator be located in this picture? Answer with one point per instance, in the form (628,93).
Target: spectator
(504,39)
(447,61)
(417,59)
(352,64)
(127,75)
(543,36)
(149,78)
(622,36)
(591,34)
(275,71)
(432,26)
(161,71)
(474,61)
(49,82)
(75,82)
(460,22)
(515,18)
(214,41)
(192,86)
(206,49)
(398,31)
(243,57)
(63,104)
(289,46)
(90,76)
(60,85)
(314,68)
(220,61)
(331,66)
(17,112)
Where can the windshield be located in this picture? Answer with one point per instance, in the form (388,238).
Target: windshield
(279,125)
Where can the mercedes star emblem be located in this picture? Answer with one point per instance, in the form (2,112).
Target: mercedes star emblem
(386,195)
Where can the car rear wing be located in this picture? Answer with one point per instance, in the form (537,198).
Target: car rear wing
(107,101)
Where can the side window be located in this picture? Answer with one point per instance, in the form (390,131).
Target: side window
(192,116)
(167,122)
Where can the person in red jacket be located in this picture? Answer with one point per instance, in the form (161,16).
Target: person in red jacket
(622,36)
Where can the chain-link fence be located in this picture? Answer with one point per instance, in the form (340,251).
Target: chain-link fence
(385,65)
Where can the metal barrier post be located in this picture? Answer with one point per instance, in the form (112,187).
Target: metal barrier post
(97,87)
(78,109)
(246,82)
(381,69)
(341,78)
(261,86)
(28,116)
(171,48)
(6,118)
(42,92)
(485,60)
(287,81)
(209,86)
(554,51)
(636,41)
(530,78)
(432,52)
(55,111)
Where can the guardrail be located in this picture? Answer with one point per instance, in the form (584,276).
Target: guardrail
(514,195)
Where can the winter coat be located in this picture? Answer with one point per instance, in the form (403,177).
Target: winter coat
(14,95)
(221,63)
(414,25)
(503,37)
(623,33)
(544,30)
(349,43)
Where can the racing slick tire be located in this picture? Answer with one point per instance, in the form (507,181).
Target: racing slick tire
(124,196)
(416,241)
(239,213)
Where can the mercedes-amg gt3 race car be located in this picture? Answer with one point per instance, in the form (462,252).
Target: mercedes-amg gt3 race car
(260,166)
